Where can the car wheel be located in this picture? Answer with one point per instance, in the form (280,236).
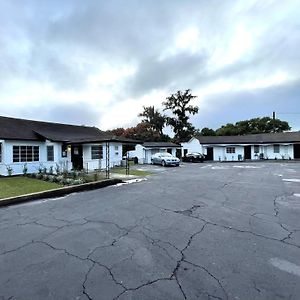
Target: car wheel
(163,163)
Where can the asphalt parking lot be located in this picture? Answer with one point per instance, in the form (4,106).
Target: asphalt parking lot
(200,231)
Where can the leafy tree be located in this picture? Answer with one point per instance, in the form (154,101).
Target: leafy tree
(142,131)
(153,118)
(207,131)
(254,126)
(228,129)
(117,131)
(179,105)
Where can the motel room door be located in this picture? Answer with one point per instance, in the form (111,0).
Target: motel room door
(77,157)
(210,153)
(247,152)
(296,150)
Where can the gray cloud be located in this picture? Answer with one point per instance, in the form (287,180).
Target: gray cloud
(171,72)
(62,43)
(78,113)
(235,106)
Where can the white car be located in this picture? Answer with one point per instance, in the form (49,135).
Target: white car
(165,159)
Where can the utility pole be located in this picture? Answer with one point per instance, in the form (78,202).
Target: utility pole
(274,117)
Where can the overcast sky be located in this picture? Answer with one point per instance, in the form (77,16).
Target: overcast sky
(99,62)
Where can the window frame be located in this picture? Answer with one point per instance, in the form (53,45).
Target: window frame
(1,148)
(97,152)
(230,150)
(30,153)
(276,148)
(50,153)
(116,149)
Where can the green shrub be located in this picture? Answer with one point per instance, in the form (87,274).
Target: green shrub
(39,176)
(78,181)
(45,177)
(51,170)
(51,178)
(25,169)
(57,168)
(96,176)
(69,181)
(9,170)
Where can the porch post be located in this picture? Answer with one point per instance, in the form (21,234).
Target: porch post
(127,163)
(107,169)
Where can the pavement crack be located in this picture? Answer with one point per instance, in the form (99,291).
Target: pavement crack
(156,242)
(188,212)
(179,262)
(173,275)
(110,273)
(84,259)
(84,288)
(231,227)
(255,286)
(60,249)
(211,275)
(140,286)
(61,220)
(17,249)
(38,223)
(276,208)
(4,298)
(106,222)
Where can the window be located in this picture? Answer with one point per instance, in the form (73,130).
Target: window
(0,152)
(230,149)
(26,153)
(29,152)
(97,152)
(64,151)
(116,150)
(50,153)
(276,148)
(256,148)
(36,153)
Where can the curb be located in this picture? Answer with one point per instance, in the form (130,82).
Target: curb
(59,192)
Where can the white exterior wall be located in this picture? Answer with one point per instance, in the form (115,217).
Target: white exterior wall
(2,165)
(193,145)
(221,155)
(140,153)
(144,154)
(115,156)
(286,151)
(62,162)
(33,167)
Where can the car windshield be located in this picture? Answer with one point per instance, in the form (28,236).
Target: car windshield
(167,154)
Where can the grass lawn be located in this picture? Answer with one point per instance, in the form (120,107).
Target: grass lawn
(15,186)
(119,170)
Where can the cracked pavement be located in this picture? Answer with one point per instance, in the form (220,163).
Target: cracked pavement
(201,231)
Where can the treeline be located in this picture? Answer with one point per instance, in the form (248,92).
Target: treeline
(176,113)
(252,126)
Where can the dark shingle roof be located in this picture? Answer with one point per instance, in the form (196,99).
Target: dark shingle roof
(263,138)
(160,145)
(21,129)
